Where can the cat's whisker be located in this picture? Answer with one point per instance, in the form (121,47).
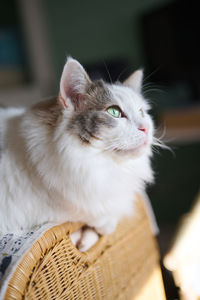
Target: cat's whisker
(121,73)
(149,84)
(107,72)
(158,143)
(155,150)
(161,133)
(152,73)
(149,90)
(151,87)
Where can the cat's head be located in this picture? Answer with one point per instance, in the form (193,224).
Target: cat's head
(110,117)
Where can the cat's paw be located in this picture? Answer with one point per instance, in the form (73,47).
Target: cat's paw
(88,239)
(84,238)
(106,228)
(76,236)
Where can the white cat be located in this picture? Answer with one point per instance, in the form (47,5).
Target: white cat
(80,157)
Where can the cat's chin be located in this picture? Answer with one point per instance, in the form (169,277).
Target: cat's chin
(134,152)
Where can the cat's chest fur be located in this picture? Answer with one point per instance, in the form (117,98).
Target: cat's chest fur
(99,185)
(90,184)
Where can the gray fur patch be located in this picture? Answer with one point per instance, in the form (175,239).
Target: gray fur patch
(48,111)
(87,125)
(89,122)
(98,96)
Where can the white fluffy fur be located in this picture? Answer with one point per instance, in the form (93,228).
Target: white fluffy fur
(48,176)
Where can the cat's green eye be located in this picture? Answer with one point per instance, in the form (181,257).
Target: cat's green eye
(115,111)
(141,112)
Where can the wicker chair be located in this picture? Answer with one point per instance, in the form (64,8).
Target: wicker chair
(123,265)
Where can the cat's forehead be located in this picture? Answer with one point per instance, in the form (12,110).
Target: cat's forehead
(126,97)
(101,95)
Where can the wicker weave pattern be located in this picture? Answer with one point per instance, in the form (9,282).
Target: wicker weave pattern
(113,269)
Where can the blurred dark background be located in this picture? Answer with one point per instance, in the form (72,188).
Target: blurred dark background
(112,39)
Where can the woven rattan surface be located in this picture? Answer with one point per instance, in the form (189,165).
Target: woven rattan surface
(115,268)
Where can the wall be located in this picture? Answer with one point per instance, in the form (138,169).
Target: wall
(94,31)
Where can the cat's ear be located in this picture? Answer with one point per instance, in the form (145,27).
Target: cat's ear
(73,84)
(134,81)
